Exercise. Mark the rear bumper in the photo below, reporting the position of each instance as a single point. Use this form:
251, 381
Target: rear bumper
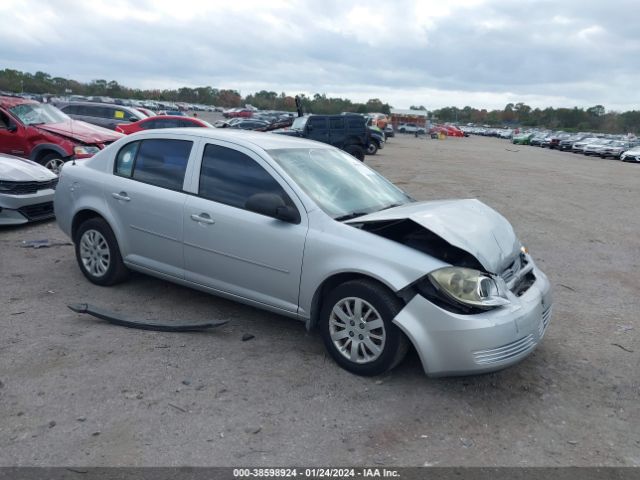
452, 344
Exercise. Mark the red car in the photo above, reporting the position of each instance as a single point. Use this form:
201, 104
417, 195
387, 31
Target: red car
44, 134
161, 121
238, 112
146, 111
448, 130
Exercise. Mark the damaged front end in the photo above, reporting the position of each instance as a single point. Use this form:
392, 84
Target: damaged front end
464, 233
489, 298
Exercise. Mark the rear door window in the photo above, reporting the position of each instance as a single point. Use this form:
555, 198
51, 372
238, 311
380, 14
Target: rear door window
187, 123
166, 123
336, 123
70, 109
317, 122
148, 125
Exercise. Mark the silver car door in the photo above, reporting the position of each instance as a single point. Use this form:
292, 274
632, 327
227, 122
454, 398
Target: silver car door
146, 197
233, 250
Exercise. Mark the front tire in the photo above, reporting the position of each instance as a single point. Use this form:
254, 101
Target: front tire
355, 151
372, 149
98, 254
53, 162
357, 328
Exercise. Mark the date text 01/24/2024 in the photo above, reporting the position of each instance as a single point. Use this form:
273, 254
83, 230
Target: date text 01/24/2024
315, 472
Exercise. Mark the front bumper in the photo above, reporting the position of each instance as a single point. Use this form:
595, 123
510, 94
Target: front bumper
453, 344
19, 209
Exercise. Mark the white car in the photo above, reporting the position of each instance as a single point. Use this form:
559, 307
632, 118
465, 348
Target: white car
306, 230
632, 155
410, 128
26, 191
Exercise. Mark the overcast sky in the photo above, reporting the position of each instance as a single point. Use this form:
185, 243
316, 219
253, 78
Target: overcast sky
559, 53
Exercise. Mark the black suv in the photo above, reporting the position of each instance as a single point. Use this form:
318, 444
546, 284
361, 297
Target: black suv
347, 132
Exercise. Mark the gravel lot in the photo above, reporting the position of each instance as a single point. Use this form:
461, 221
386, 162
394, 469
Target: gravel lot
77, 391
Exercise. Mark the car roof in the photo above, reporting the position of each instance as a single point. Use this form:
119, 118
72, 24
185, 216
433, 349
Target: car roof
9, 102
264, 140
97, 104
174, 117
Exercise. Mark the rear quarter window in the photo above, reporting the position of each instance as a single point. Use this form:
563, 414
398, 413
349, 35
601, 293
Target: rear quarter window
159, 162
125, 158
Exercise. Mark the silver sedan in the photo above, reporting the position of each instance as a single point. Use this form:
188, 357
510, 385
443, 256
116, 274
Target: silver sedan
305, 230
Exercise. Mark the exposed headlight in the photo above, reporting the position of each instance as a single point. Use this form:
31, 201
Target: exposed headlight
470, 287
85, 150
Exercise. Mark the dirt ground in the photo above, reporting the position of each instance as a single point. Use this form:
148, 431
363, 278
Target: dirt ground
77, 391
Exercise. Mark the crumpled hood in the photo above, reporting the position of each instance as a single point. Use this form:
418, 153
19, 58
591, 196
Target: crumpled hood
81, 131
16, 169
466, 224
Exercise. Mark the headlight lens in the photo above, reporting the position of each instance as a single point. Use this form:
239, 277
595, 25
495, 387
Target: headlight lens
470, 287
85, 150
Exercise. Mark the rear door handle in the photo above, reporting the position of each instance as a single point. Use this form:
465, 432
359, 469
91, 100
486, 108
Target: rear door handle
202, 218
121, 196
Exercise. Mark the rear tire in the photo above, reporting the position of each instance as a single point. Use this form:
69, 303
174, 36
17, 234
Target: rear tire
98, 254
367, 342
355, 151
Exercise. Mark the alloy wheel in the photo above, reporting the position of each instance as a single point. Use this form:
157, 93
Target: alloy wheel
95, 253
357, 330
55, 164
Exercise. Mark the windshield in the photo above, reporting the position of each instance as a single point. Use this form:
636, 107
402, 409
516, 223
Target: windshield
38, 113
299, 123
338, 183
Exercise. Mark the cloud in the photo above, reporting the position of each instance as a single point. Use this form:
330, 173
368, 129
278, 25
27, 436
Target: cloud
473, 52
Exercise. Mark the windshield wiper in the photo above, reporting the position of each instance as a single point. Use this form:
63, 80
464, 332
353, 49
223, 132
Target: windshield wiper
349, 216
393, 205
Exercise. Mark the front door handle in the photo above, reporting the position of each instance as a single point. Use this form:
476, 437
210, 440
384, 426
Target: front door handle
202, 218
121, 196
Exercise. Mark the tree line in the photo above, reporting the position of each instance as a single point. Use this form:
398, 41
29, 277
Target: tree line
574, 119
594, 118
41, 82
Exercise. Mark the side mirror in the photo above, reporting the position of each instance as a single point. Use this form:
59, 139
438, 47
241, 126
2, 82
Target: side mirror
309, 127
133, 119
12, 127
272, 205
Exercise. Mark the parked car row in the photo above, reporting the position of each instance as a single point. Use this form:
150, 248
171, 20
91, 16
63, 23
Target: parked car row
623, 147
488, 132
154, 105
49, 136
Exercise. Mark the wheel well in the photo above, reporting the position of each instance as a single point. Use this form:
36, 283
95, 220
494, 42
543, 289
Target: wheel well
81, 217
331, 283
43, 153
353, 140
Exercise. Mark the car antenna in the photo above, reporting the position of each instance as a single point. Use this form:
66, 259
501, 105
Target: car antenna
73, 160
